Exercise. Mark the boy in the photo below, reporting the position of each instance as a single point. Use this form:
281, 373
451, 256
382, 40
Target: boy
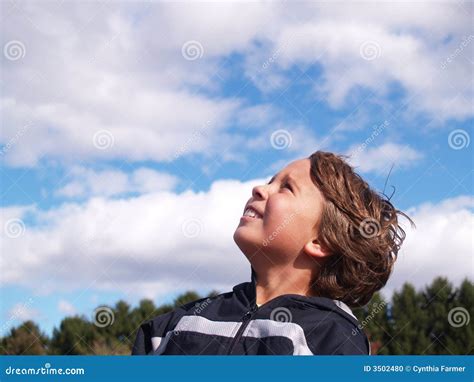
319, 241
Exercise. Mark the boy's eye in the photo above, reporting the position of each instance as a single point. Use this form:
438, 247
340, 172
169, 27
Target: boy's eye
284, 184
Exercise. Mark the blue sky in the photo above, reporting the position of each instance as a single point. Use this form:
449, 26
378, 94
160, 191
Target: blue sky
124, 125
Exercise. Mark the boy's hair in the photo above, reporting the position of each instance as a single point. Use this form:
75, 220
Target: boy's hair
358, 227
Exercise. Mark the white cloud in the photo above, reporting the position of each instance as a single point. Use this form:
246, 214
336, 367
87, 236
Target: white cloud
380, 159
119, 67
441, 245
90, 68
164, 242
88, 182
22, 312
362, 47
66, 308
147, 245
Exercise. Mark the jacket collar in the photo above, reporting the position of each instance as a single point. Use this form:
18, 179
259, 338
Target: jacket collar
247, 294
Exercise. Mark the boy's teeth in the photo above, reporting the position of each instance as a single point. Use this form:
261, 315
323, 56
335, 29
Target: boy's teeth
251, 213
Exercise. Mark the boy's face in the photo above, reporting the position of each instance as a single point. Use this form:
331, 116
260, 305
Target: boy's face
288, 208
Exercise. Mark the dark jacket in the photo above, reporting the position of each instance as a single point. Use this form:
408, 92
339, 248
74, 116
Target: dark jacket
231, 323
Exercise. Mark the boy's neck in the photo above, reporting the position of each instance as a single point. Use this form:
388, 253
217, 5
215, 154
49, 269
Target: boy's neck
273, 282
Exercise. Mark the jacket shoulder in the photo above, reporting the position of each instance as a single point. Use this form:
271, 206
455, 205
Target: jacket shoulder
156, 327
337, 336
151, 332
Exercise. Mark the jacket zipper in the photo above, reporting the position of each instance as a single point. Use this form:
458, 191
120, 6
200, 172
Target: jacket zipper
245, 321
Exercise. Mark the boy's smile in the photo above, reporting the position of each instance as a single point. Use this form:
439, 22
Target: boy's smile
281, 217
251, 212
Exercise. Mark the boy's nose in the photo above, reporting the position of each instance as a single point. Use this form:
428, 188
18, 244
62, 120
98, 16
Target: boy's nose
259, 192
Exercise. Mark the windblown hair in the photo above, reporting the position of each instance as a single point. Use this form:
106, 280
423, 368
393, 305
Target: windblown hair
358, 227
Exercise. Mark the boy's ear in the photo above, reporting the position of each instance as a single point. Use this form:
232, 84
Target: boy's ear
314, 249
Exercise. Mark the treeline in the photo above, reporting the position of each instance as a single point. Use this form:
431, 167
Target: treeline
435, 320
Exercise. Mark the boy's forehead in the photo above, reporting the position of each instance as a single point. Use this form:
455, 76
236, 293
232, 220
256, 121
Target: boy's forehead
299, 169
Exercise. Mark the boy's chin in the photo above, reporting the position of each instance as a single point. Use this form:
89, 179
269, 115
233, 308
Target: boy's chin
247, 244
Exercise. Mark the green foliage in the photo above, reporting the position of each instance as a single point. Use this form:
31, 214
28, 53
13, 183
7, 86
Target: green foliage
186, 298
373, 320
409, 321
463, 338
435, 320
26, 339
75, 336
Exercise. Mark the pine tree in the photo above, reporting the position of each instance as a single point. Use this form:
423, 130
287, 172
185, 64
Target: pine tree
26, 339
438, 301
407, 324
373, 321
460, 331
75, 336
436, 320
